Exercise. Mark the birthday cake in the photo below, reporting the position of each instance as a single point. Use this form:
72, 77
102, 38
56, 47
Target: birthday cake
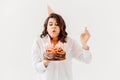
54, 53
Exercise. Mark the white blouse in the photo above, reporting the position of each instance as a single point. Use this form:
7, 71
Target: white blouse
57, 70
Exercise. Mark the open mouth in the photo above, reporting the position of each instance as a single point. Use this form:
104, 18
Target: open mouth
53, 31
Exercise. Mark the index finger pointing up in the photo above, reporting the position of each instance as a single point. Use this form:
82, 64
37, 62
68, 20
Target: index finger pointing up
85, 29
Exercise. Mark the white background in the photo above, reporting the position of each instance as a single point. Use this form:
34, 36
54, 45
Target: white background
22, 20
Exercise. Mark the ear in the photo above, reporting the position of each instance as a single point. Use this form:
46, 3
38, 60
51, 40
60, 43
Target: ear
49, 10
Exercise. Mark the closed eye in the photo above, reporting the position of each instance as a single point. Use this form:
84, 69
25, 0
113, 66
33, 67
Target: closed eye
56, 24
50, 24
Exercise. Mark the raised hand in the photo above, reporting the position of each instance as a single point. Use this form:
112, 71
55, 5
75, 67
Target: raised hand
84, 37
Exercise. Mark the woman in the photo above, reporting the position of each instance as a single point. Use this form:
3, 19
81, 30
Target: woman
55, 33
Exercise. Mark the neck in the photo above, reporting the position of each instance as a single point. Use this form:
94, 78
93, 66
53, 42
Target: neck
54, 41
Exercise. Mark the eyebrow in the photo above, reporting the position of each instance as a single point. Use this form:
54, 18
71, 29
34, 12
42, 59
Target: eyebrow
50, 22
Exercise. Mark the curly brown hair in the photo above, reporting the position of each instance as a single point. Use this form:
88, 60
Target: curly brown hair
61, 23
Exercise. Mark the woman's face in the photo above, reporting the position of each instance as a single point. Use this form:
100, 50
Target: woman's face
53, 28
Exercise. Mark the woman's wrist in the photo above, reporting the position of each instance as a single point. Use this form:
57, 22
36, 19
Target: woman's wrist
85, 47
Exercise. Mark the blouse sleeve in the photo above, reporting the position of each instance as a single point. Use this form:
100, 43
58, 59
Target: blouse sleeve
81, 54
37, 57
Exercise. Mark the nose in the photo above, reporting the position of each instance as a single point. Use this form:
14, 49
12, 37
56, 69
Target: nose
54, 27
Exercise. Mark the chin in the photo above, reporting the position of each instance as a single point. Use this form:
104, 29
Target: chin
53, 36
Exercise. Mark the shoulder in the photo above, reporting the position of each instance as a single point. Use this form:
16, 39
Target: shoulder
40, 40
70, 39
37, 38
